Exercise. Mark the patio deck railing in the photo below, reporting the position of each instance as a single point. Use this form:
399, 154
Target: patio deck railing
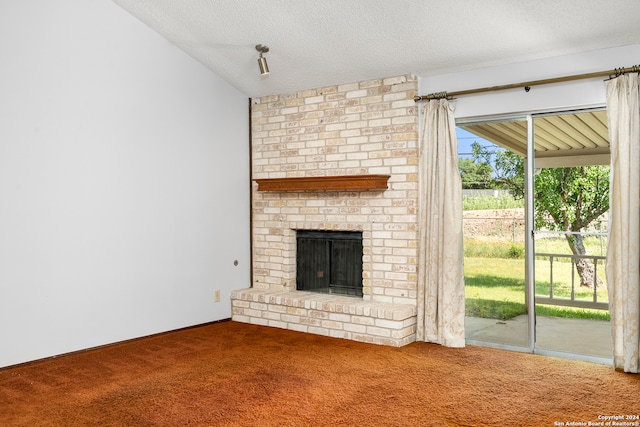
572, 301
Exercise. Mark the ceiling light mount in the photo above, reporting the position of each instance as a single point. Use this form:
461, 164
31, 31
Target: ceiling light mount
262, 61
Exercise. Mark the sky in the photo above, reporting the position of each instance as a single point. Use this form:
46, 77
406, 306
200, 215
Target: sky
465, 139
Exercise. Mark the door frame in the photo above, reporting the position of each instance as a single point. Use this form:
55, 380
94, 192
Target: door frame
529, 278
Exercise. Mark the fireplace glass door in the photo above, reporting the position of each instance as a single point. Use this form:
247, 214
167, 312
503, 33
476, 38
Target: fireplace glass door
329, 262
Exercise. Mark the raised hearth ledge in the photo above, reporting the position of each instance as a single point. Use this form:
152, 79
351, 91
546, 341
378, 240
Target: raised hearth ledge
330, 315
325, 183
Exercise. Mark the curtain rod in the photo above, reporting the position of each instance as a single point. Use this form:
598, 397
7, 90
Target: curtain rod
527, 85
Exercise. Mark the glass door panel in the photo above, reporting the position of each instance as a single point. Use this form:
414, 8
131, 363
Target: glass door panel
491, 165
570, 232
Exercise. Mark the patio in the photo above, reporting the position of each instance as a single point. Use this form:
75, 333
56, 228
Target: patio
577, 336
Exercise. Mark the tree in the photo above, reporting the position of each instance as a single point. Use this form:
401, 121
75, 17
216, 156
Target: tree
507, 166
570, 199
475, 175
566, 199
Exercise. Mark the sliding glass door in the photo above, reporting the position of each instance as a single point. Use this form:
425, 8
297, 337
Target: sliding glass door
491, 158
536, 201
571, 204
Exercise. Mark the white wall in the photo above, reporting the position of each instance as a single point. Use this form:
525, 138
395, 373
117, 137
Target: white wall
544, 98
124, 181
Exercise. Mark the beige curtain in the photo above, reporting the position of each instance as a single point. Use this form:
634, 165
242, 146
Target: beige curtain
440, 269
623, 251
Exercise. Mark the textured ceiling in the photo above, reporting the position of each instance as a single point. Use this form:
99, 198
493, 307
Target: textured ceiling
316, 43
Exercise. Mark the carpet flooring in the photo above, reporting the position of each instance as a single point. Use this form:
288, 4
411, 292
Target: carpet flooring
234, 374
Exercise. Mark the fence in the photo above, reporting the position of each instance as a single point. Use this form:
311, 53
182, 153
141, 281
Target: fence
572, 301
512, 229
495, 228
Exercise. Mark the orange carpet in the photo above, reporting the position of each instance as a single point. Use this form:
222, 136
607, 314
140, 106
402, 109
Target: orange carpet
234, 374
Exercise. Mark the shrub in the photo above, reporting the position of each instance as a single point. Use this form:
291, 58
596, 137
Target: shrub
515, 251
484, 249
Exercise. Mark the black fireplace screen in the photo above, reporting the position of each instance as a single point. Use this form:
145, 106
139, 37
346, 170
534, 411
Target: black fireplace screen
329, 262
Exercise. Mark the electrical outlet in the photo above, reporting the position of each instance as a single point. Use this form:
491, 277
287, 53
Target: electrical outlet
216, 295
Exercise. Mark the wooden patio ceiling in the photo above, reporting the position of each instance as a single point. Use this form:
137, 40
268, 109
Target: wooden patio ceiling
574, 139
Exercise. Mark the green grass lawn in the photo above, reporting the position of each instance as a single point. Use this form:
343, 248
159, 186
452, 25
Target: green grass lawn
595, 245
488, 248
504, 201
494, 271
494, 288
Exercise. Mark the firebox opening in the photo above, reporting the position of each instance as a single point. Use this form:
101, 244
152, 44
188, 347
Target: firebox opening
329, 262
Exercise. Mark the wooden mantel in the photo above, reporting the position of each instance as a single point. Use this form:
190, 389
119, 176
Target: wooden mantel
325, 183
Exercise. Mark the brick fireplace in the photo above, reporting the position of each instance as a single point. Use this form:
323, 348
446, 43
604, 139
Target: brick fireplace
318, 158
